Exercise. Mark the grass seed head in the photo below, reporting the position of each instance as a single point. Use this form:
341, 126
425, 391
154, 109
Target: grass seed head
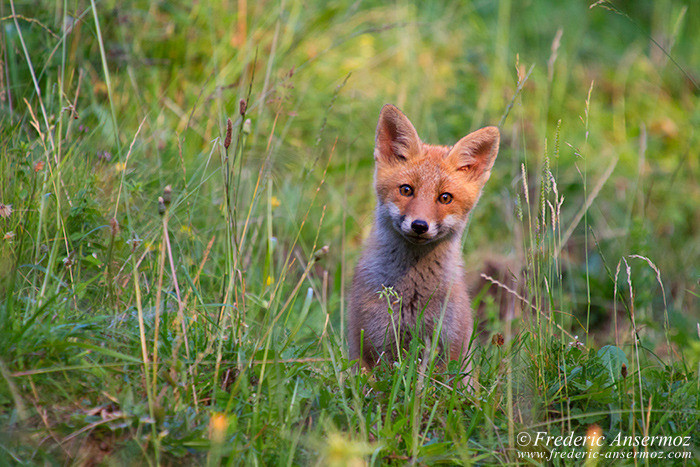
321, 252
229, 132
5, 210
167, 195
242, 106
498, 340
114, 226
161, 205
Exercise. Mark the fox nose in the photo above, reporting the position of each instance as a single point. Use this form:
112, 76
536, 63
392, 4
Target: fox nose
420, 227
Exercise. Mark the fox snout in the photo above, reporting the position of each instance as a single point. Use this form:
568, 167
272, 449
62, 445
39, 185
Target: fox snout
419, 226
417, 229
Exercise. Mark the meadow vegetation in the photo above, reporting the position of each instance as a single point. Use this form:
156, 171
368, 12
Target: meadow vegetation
185, 188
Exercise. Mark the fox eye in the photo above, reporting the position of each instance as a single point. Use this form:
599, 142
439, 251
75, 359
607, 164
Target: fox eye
406, 190
445, 198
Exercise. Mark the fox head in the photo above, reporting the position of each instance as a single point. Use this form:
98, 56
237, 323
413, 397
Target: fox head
426, 192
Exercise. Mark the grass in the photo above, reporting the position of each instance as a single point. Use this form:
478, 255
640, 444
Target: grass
186, 187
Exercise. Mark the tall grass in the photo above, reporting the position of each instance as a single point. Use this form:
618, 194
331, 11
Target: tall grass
186, 188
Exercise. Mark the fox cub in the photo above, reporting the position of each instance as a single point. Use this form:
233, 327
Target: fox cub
424, 196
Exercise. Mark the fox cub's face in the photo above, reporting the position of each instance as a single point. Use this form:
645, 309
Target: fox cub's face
426, 191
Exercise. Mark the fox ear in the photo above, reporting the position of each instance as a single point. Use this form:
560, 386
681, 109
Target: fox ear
475, 153
396, 138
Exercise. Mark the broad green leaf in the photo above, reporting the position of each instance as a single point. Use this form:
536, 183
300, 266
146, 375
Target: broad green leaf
612, 359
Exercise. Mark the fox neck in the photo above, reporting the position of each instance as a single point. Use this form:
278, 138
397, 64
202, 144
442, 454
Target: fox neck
441, 257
